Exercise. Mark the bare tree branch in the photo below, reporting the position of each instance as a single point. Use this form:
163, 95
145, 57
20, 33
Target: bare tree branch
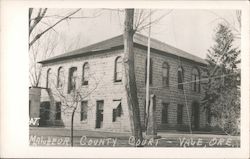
49, 28
37, 19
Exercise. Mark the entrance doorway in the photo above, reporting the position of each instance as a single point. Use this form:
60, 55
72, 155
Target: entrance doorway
99, 114
195, 116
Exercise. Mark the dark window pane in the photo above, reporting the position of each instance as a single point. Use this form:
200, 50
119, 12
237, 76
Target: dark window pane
118, 69
72, 79
180, 78
58, 111
45, 110
179, 113
85, 74
164, 115
84, 110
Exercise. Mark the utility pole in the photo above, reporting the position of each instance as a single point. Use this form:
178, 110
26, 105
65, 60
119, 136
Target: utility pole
130, 81
148, 71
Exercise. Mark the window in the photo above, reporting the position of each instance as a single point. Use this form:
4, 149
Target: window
180, 78
150, 71
208, 114
85, 74
99, 113
117, 109
84, 110
45, 110
165, 74
60, 77
164, 113
179, 113
72, 79
48, 81
58, 110
195, 80
118, 69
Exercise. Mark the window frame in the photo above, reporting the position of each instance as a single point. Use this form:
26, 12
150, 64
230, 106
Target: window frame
116, 70
71, 74
84, 68
84, 112
195, 78
48, 78
59, 80
180, 76
165, 106
165, 79
58, 115
180, 113
117, 112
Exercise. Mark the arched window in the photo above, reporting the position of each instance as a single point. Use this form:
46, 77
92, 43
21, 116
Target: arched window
180, 78
150, 71
72, 79
85, 74
118, 69
165, 74
48, 80
60, 77
195, 80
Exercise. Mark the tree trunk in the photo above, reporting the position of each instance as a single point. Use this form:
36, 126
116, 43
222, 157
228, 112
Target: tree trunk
72, 127
130, 82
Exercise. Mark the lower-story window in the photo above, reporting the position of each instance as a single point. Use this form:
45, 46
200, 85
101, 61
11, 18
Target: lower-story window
45, 110
164, 113
117, 110
179, 113
58, 110
84, 110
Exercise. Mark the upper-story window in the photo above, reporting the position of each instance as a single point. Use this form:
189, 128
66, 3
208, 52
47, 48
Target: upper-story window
150, 71
118, 69
180, 78
85, 74
165, 74
60, 77
48, 80
72, 79
195, 80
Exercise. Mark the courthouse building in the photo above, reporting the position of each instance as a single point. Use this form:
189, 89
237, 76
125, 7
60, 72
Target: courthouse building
92, 78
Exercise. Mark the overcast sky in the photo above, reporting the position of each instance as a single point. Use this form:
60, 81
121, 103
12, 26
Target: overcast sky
189, 30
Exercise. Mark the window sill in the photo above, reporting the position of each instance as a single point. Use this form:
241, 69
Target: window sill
118, 83
83, 121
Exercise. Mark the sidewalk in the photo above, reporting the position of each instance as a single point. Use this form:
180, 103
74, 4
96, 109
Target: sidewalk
58, 131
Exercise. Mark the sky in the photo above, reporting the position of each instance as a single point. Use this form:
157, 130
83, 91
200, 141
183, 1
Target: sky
189, 30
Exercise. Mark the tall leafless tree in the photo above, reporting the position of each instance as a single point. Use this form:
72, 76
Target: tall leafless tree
130, 82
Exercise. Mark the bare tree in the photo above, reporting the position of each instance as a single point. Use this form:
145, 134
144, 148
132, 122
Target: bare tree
43, 36
70, 95
130, 82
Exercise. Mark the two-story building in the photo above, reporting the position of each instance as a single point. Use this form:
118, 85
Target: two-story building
92, 80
